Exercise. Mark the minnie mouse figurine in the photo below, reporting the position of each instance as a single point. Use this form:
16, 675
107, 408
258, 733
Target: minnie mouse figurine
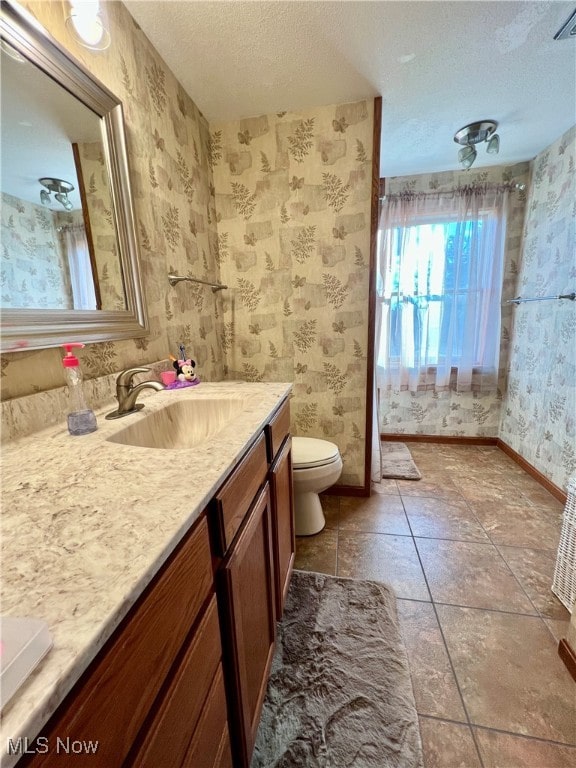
185, 370
185, 375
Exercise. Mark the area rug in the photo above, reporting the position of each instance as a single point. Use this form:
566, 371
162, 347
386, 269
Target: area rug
339, 694
397, 462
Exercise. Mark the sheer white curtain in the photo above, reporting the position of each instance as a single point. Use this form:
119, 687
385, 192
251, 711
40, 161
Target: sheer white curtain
439, 288
75, 247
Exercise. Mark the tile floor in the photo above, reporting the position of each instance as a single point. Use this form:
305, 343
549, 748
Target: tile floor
469, 551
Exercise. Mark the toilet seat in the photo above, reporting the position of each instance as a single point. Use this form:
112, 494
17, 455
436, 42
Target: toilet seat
308, 452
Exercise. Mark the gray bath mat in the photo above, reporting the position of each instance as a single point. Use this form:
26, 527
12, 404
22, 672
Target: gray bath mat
397, 462
339, 694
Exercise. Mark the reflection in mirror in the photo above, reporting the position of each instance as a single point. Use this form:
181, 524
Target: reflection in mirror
51, 143
69, 254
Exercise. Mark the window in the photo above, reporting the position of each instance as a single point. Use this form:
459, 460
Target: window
440, 281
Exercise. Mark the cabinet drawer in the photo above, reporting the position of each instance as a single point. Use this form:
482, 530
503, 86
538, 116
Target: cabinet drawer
205, 747
278, 429
170, 732
235, 497
110, 703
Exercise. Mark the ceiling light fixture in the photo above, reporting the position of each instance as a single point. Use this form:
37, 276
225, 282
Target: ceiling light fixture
86, 24
60, 188
475, 133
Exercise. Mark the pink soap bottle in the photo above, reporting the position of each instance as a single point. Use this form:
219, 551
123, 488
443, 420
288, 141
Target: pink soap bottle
81, 419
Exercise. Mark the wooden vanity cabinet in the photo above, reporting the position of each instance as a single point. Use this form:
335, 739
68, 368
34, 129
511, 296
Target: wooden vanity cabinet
131, 685
182, 681
254, 574
246, 590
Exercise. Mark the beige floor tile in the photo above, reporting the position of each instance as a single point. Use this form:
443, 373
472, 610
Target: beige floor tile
519, 525
440, 487
435, 689
442, 519
378, 514
431, 463
534, 569
386, 487
382, 557
510, 674
427, 461
448, 745
539, 496
503, 750
471, 574
489, 491
524, 481
317, 553
330, 507
558, 628
507, 665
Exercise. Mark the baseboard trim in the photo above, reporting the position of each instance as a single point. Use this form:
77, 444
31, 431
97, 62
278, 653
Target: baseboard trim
568, 656
347, 490
551, 487
445, 439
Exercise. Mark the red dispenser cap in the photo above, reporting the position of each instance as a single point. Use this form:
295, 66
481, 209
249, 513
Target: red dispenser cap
70, 361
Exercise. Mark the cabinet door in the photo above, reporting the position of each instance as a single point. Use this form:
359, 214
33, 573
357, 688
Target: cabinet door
282, 523
182, 705
210, 743
248, 608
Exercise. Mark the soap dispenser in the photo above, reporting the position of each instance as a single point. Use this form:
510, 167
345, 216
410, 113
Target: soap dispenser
81, 419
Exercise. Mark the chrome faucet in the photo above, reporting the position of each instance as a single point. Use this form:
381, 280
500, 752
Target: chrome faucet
126, 392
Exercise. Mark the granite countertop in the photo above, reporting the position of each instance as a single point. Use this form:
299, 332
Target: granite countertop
87, 523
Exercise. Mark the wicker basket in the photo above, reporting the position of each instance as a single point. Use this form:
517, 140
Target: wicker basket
564, 584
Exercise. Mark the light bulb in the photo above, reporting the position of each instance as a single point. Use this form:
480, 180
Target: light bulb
86, 24
44, 197
493, 145
466, 156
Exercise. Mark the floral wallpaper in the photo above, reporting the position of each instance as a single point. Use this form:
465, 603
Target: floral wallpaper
277, 207
470, 414
34, 272
168, 148
99, 205
293, 199
539, 408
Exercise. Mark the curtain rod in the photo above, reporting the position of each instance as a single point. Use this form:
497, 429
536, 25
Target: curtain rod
520, 300
62, 227
456, 189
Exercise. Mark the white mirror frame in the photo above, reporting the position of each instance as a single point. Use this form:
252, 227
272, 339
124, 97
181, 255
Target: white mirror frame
24, 329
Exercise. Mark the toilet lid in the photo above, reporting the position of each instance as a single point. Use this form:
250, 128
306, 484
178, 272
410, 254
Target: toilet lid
310, 452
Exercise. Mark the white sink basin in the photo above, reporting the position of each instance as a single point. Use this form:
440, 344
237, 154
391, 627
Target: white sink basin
181, 424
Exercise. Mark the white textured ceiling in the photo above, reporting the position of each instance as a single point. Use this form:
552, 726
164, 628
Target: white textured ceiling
438, 65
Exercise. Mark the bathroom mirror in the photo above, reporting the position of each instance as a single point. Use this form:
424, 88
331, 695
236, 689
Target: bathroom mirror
70, 267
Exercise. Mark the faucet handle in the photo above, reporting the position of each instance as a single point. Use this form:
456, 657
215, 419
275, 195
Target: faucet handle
125, 377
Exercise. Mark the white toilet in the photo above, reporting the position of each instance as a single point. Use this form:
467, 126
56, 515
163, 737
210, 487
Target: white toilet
316, 465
